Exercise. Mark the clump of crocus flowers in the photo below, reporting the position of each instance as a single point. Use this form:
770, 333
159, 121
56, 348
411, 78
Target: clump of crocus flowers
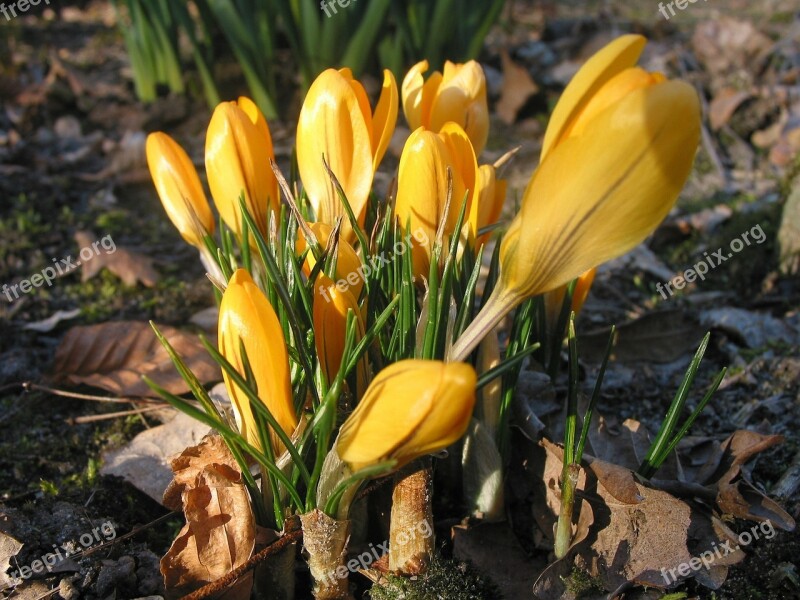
348, 346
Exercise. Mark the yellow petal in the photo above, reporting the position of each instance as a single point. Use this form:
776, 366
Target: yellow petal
620, 54
422, 192
411, 408
599, 194
462, 161
179, 188
332, 124
411, 90
245, 314
613, 91
348, 263
385, 118
331, 305
581, 291
237, 160
491, 196
461, 97
361, 96
450, 414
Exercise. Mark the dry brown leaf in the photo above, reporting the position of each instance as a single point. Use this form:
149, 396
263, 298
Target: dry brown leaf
724, 105
634, 529
660, 337
145, 460
517, 88
9, 547
726, 43
131, 267
114, 356
220, 529
636, 540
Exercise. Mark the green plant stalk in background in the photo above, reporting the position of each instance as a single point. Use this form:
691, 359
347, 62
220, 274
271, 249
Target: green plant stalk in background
361, 36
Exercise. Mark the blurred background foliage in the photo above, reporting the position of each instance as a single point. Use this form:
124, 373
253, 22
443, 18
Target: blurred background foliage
270, 38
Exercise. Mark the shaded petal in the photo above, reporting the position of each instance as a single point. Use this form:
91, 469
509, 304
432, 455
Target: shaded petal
411, 90
461, 97
385, 118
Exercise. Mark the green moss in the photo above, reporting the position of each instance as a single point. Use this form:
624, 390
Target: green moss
580, 583
445, 578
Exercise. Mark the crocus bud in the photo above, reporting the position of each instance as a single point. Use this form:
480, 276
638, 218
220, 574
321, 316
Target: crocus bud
458, 95
246, 315
179, 188
422, 187
238, 151
331, 305
336, 122
348, 264
619, 154
411, 408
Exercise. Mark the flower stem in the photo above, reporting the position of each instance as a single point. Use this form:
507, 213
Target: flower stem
564, 527
499, 304
411, 527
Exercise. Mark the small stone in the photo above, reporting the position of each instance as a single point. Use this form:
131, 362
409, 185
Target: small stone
67, 590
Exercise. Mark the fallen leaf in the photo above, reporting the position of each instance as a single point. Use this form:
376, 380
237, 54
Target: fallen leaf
660, 337
517, 88
145, 460
131, 267
114, 356
220, 529
724, 105
53, 320
9, 547
725, 43
752, 329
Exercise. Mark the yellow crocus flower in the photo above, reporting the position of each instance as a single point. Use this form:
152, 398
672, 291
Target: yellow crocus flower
458, 95
238, 151
336, 122
422, 187
245, 314
331, 305
179, 188
617, 158
348, 263
411, 408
